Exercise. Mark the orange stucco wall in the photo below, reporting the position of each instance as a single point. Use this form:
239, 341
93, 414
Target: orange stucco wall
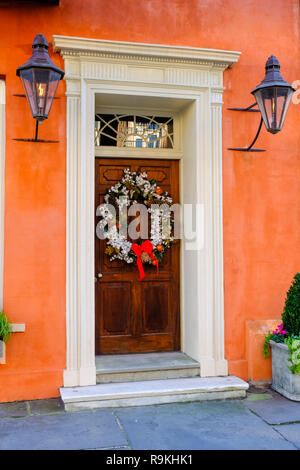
261, 190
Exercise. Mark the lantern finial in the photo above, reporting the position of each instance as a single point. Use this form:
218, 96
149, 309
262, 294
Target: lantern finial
40, 40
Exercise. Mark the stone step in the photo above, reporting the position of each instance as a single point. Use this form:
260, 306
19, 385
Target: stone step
152, 392
145, 366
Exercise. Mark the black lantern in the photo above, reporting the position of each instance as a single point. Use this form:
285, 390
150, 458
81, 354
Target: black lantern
40, 78
273, 96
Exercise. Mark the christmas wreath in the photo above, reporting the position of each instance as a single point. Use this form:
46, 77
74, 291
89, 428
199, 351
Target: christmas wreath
135, 188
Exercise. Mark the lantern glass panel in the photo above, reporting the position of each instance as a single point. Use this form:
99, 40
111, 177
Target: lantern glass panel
273, 103
40, 87
27, 78
41, 82
285, 100
52, 87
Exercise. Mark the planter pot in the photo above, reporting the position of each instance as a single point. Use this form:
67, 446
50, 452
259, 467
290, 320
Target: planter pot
2, 352
283, 381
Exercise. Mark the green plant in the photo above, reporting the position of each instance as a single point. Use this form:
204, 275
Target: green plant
5, 328
291, 312
289, 330
293, 343
277, 335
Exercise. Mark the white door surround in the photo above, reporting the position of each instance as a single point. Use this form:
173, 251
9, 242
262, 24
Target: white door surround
194, 76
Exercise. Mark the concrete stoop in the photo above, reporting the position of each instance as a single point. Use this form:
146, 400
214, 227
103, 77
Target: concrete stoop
152, 392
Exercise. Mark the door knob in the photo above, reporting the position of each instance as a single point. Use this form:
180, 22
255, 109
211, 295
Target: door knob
100, 275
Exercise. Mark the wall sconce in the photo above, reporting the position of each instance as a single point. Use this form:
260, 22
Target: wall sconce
273, 97
40, 78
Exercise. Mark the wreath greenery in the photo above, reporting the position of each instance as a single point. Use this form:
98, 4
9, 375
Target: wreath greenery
135, 188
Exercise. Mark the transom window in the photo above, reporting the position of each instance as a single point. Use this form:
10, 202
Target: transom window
124, 130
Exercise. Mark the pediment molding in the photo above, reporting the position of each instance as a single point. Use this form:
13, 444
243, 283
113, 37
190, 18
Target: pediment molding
96, 59
140, 52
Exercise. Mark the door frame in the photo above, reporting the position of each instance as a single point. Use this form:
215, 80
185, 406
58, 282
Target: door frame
194, 76
174, 319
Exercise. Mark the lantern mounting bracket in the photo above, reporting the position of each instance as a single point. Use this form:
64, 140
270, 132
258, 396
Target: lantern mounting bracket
246, 109
249, 149
24, 96
36, 137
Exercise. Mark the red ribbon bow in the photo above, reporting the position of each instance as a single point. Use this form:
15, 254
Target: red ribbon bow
146, 247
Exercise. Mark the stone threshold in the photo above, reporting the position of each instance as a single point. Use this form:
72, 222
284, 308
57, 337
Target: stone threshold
152, 392
145, 366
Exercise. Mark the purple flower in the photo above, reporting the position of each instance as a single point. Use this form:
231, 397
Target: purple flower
279, 330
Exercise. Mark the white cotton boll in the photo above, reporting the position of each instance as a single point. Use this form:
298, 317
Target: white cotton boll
126, 248
139, 180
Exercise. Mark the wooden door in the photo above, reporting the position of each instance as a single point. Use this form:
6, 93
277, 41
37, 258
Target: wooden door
131, 315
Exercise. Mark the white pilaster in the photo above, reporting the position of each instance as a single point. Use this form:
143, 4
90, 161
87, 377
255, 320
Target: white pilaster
221, 367
80, 312
86, 235
71, 374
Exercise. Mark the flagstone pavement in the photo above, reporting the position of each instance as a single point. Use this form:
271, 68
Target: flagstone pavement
263, 421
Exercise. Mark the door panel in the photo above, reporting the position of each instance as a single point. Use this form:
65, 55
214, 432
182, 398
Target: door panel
156, 307
132, 315
116, 319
